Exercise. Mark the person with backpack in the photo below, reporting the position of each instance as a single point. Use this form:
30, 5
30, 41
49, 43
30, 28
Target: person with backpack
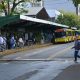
12, 42
4, 42
77, 48
1, 43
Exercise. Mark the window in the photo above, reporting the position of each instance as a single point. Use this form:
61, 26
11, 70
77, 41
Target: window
60, 34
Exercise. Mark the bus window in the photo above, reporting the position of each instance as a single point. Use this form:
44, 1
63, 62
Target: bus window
69, 33
60, 34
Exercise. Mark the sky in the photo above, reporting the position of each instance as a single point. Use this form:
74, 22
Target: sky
65, 5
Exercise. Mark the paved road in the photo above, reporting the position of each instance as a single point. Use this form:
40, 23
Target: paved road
70, 73
48, 53
38, 64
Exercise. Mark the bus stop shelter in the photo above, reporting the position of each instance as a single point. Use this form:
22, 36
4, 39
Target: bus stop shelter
21, 24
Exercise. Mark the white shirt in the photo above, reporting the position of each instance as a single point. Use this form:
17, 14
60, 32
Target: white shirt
1, 40
21, 40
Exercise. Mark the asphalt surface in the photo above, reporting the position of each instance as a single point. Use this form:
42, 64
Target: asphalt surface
32, 70
70, 73
39, 64
60, 51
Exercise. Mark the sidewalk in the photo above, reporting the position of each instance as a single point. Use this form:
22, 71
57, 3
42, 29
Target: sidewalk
70, 73
12, 51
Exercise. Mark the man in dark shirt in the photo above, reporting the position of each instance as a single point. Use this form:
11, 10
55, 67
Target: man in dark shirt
77, 48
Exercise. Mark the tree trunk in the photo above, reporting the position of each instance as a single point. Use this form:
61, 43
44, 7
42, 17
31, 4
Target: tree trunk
77, 10
14, 6
5, 12
4, 8
8, 7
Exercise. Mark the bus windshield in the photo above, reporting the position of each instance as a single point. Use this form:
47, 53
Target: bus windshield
60, 34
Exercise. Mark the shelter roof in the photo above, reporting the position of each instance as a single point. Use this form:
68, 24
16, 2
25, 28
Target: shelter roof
4, 20
16, 18
42, 21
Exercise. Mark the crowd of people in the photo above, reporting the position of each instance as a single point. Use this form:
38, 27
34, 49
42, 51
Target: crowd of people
11, 42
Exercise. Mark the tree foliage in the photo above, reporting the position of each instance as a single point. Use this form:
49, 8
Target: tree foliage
76, 2
70, 19
5, 5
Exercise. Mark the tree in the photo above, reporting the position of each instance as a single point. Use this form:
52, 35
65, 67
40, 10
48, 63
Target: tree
5, 5
76, 2
69, 19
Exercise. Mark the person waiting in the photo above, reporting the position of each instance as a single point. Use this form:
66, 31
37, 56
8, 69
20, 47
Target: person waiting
20, 42
12, 42
1, 43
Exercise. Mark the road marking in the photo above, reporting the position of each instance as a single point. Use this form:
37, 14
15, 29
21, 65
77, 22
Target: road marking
58, 53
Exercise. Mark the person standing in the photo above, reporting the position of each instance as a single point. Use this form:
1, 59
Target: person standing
1, 43
12, 42
77, 48
4, 42
20, 42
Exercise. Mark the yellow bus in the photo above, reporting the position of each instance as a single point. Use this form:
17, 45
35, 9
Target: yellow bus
64, 35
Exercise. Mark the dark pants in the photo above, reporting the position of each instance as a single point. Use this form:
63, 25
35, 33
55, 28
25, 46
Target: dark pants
76, 55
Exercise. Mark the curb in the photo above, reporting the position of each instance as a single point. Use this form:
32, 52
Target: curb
13, 51
25, 60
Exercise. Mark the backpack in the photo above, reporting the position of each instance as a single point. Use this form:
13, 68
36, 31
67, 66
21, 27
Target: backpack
12, 41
